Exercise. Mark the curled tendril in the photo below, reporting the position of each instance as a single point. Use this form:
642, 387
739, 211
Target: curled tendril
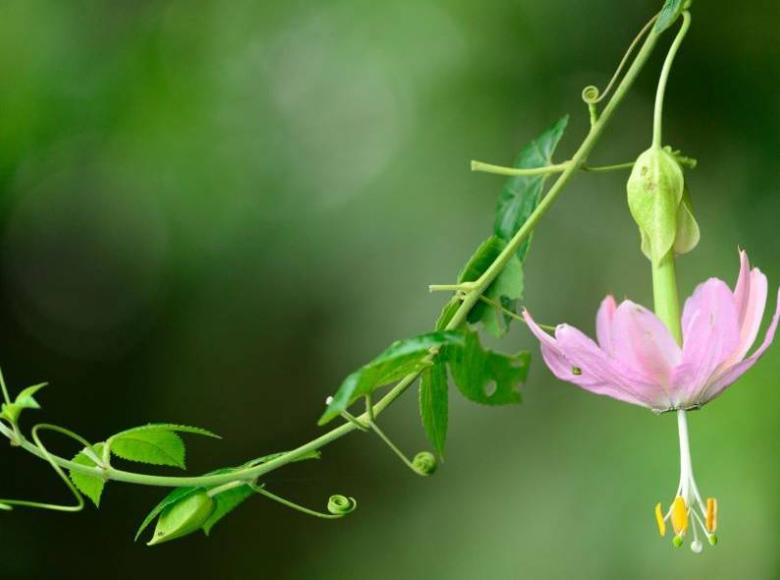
425, 463
6, 504
591, 94
338, 505
341, 505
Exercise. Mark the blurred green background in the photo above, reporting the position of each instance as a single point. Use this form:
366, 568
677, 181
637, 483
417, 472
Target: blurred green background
211, 212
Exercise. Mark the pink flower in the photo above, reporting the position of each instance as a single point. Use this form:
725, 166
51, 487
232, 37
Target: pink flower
638, 361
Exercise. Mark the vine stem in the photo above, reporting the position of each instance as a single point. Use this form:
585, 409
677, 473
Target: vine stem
663, 80
250, 474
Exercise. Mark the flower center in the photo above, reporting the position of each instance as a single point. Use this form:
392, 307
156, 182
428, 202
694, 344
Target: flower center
688, 513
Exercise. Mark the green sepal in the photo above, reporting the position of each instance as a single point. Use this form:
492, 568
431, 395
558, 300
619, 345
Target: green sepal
655, 191
476, 371
688, 233
669, 14
90, 485
225, 503
402, 358
183, 516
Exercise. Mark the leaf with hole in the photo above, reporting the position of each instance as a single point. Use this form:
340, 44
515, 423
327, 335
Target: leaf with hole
402, 358
487, 377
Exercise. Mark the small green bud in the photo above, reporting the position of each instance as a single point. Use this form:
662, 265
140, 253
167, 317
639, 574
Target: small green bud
677, 541
183, 517
655, 193
713, 539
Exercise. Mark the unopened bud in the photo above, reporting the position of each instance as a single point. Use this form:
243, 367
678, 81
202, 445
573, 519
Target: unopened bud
183, 517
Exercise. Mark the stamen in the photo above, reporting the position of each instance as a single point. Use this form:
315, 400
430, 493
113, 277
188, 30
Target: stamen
659, 517
712, 515
679, 516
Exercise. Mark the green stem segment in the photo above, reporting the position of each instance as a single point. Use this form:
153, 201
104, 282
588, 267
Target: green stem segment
665, 295
250, 474
662, 81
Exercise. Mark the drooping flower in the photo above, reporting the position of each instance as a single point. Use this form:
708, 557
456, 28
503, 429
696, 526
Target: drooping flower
637, 360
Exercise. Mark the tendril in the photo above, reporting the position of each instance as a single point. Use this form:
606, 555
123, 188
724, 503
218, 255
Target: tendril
591, 94
338, 505
6, 504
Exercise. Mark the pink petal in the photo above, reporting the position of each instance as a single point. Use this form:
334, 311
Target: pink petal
710, 336
604, 322
731, 374
643, 343
750, 295
575, 358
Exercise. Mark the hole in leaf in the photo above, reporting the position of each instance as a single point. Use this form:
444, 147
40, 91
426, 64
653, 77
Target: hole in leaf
491, 388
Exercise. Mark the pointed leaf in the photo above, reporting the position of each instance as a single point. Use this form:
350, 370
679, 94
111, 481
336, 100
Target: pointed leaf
402, 358
25, 398
174, 496
90, 485
521, 194
153, 446
434, 404
226, 502
170, 427
487, 377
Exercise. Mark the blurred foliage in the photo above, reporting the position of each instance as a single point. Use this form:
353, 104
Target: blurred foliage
211, 212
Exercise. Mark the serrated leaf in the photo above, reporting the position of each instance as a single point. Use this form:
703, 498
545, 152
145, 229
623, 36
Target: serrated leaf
506, 289
174, 496
669, 13
402, 358
90, 485
521, 194
170, 427
434, 404
226, 502
152, 446
487, 377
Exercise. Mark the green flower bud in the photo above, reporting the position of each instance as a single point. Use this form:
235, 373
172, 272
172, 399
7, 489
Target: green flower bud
655, 193
183, 517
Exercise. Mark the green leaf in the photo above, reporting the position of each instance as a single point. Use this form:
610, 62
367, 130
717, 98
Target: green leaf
182, 517
447, 313
669, 13
402, 358
155, 443
226, 502
174, 496
505, 289
90, 485
487, 377
521, 194
24, 400
434, 404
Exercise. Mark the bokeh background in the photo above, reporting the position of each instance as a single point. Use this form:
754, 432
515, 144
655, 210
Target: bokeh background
211, 212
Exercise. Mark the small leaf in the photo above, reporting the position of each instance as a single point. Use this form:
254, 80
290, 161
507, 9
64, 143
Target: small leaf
182, 517
25, 398
669, 13
90, 485
174, 496
505, 289
153, 446
434, 404
487, 377
171, 427
521, 194
226, 502
402, 358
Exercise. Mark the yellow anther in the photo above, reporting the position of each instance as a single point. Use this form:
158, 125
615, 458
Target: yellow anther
659, 517
679, 516
712, 515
